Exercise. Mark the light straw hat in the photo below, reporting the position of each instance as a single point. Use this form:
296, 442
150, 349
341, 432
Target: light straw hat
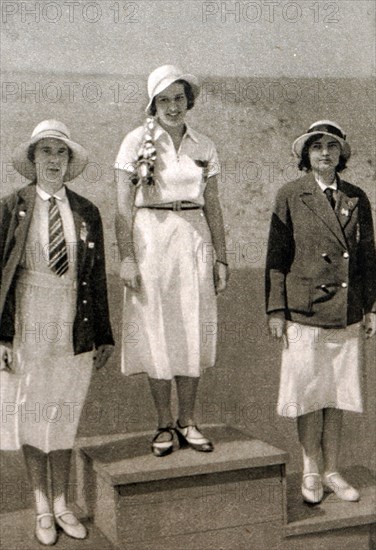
327, 128
165, 75
50, 129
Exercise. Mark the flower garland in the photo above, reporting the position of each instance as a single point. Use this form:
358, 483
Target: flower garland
147, 154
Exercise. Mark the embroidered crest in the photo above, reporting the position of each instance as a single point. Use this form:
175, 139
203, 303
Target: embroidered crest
204, 164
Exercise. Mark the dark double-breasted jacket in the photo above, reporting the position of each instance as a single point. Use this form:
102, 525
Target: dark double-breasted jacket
91, 326
321, 263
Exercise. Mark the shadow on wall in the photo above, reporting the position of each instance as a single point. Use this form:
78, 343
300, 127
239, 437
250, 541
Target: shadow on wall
242, 389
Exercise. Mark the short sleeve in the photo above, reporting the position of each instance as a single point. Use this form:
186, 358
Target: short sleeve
213, 161
128, 152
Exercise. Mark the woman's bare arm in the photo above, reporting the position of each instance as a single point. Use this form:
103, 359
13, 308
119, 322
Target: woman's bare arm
213, 213
126, 191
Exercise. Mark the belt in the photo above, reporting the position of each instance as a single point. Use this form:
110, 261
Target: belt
175, 206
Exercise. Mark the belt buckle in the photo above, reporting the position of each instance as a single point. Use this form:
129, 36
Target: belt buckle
176, 206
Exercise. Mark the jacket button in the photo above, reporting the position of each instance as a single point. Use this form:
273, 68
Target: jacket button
84, 283
344, 285
84, 301
346, 255
86, 319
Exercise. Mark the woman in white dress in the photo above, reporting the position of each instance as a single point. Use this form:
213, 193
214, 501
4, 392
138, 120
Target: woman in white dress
54, 320
171, 240
321, 300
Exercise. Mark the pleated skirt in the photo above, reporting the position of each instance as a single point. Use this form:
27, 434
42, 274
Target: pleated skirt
170, 325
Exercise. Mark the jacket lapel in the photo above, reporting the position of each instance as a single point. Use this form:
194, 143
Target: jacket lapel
345, 206
16, 238
21, 220
315, 200
81, 227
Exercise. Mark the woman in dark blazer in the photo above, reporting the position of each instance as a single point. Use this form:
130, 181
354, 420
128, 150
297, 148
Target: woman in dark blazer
320, 296
54, 319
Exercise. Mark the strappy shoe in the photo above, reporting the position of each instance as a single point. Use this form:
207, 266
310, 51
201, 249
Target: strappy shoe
313, 492
45, 535
334, 483
163, 448
190, 436
75, 530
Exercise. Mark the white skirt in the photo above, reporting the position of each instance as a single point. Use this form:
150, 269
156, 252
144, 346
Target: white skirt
170, 325
42, 398
321, 368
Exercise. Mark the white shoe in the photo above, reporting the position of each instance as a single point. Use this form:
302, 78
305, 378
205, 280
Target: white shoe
312, 489
190, 436
70, 525
334, 483
45, 531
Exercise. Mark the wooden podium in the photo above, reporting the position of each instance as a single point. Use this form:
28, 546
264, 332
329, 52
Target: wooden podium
235, 498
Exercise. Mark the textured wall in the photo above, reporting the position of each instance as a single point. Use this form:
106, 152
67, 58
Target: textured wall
253, 122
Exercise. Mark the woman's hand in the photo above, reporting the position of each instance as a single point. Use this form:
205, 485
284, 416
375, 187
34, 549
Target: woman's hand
101, 355
277, 326
221, 276
6, 356
370, 324
130, 274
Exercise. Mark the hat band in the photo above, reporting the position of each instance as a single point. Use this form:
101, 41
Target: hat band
51, 133
327, 128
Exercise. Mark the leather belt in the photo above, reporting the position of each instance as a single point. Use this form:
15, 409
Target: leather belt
176, 206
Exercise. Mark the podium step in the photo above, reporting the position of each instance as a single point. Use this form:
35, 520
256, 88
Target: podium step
187, 499
236, 498
332, 513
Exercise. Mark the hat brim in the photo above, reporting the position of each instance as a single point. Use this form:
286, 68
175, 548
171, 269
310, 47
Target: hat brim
166, 82
28, 169
299, 143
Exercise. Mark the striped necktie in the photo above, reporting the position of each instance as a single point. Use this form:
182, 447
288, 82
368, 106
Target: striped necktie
57, 248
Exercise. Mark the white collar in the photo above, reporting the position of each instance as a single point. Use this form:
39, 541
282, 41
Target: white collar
324, 186
59, 195
189, 132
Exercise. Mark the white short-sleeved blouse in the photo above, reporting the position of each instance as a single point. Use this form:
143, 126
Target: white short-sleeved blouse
178, 175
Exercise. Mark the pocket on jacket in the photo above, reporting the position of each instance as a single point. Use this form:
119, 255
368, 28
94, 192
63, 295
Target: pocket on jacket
298, 292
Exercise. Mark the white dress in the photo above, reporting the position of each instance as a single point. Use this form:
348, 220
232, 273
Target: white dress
169, 326
42, 398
